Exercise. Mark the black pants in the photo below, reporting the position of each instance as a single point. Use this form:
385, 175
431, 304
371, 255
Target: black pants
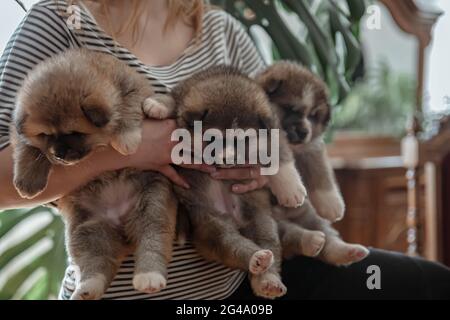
401, 277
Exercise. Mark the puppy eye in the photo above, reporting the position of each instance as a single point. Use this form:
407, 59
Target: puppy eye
42, 135
314, 116
190, 124
191, 117
76, 133
289, 107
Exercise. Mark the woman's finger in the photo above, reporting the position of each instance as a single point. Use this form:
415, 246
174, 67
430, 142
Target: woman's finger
173, 175
237, 173
252, 185
243, 188
200, 167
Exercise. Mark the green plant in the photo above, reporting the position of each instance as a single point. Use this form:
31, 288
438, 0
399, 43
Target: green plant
379, 104
323, 35
32, 255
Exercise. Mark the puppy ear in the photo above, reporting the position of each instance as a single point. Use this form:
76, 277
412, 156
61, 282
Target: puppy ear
19, 122
31, 170
327, 115
272, 85
99, 116
267, 122
321, 114
190, 116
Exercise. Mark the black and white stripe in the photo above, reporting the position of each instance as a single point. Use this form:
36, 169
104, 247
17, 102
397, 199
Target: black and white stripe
190, 277
44, 33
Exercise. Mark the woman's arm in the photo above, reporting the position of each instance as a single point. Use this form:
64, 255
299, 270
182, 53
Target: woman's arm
154, 153
43, 34
62, 180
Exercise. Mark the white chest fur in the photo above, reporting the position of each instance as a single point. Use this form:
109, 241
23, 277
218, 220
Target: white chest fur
224, 201
114, 202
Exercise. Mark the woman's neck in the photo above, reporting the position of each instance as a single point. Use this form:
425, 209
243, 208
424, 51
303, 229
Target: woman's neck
119, 11
154, 45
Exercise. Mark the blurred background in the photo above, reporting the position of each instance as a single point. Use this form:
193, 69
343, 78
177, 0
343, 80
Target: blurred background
388, 69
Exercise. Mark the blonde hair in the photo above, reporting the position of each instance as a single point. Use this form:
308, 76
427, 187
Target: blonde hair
191, 11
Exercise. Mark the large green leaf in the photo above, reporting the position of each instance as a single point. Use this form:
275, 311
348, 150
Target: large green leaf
27, 270
323, 21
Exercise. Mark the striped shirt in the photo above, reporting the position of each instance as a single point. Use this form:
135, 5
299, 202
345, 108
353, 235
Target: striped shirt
44, 33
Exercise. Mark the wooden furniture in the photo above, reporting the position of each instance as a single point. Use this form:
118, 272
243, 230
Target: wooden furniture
444, 206
376, 200
419, 23
372, 179
397, 198
368, 181
434, 160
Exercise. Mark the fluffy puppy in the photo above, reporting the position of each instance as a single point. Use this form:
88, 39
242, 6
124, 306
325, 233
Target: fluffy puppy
68, 107
236, 230
301, 102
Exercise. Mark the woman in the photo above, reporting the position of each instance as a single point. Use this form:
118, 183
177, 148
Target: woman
167, 41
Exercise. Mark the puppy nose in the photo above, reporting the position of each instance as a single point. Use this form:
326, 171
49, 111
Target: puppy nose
297, 135
60, 153
302, 134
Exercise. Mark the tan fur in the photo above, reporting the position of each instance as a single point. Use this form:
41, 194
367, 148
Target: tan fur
69, 106
223, 98
301, 102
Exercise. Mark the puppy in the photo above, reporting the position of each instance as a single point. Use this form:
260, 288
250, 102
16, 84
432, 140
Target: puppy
301, 103
68, 107
236, 230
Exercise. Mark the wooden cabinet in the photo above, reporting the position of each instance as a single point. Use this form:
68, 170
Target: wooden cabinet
373, 182
372, 179
376, 201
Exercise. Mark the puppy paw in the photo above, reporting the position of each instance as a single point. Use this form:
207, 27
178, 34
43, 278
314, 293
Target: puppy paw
294, 197
29, 188
90, 289
357, 253
287, 186
127, 142
344, 254
292, 194
328, 204
155, 109
261, 261
312, 243
268, 285
150, 282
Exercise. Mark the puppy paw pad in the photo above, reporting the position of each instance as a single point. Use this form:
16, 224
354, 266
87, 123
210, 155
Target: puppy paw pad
90, 289
293, 197
273, 289
150, 282
357, 253
269, 286
346, 254
261, 261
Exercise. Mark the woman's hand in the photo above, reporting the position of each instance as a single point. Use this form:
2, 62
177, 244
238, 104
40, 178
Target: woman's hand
253, 174
154, 152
